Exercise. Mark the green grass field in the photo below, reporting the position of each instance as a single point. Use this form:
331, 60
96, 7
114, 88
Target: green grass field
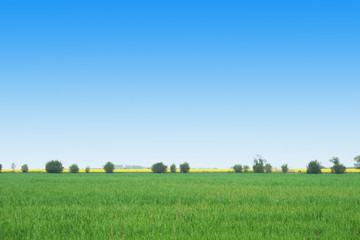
179, 206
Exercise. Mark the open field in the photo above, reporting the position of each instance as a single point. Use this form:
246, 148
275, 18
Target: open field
179, 206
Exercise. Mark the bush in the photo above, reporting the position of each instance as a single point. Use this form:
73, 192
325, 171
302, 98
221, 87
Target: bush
87, 169
258, 166
337, 168
109, 167
25, 168
159, 167
74, 168
314, 167
284, 168
268, 168
184, 168
54, 166
238, 168
173, 168
246, 168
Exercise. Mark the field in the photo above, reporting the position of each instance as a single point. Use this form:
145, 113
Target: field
179, 206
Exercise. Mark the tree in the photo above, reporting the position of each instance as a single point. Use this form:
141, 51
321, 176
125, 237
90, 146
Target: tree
259, 162
337, 168
54, 166
284, 168
184, 168
268, 168
109, 167
24, 168
357, 162
246, 168
13, 167
74, 168
238, 168
87, 169
159, 167
0, 168
314, 167
335, 160
173, 168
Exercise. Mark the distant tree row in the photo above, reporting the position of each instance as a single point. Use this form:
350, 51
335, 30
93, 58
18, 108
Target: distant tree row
24, 167
313, 167
55, 166
162, 168
260, 165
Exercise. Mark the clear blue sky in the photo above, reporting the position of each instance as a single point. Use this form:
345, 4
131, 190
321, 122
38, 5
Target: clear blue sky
213, 83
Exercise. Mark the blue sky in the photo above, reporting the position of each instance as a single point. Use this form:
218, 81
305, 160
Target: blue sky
213, 83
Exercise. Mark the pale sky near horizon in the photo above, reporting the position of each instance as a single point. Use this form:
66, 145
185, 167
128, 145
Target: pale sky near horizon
212, 83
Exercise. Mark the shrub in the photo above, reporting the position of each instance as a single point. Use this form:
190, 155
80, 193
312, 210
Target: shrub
268, 168
87, 169
314, 167
54, 166
184, 168
109, 167
238, 168
173, 168
284, 168
337, 168
0, 168
246, 168
24, 168
357, 162
74, 168
258, 166
159, 167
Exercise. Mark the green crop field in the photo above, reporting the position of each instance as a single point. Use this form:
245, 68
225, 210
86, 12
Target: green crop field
179, 206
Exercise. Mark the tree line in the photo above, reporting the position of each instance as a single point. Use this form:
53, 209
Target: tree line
260, 165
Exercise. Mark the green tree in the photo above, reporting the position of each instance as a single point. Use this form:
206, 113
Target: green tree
159, 168
184, 168
259, 162
54, 166
246, 168
357, 162
314, 167
74, 168
173, 168
25, 168
0, 168
87, 169
284, 168
268, 168
238, 168
338, 168
109, 167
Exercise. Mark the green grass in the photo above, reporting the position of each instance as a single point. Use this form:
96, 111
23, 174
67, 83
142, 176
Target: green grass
179, 206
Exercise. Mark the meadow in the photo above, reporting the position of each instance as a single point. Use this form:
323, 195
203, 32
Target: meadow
179, 206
